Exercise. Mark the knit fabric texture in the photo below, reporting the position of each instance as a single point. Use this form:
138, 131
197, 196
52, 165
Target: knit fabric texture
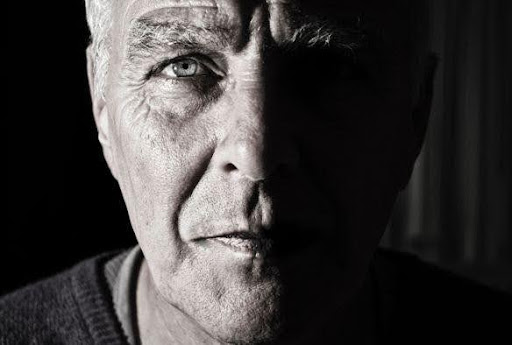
74, 307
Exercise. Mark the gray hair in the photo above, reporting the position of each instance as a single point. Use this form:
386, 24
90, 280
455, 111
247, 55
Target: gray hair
99, 20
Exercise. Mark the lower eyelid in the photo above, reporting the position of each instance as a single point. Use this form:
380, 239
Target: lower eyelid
200, 84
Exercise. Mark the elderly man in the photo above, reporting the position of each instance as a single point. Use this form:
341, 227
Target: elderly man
259, 147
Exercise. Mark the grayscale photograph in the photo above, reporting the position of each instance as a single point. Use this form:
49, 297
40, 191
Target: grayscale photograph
264, 172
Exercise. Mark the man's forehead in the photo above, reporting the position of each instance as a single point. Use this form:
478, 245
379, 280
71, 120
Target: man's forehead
285, 17
213, 24
127, 11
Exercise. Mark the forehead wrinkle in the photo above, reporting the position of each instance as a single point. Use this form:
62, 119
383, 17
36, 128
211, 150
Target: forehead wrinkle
137, 8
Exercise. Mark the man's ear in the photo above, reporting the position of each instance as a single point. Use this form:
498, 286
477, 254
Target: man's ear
423, 104
100, 112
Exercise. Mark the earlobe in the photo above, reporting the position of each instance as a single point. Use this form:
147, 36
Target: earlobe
100, 112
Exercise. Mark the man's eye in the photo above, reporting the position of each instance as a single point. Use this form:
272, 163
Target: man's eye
184, 68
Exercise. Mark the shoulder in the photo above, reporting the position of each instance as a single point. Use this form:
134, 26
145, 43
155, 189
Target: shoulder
58, 309
422, 281
432, 302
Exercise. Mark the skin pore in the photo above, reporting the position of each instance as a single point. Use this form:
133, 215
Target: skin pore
259, 148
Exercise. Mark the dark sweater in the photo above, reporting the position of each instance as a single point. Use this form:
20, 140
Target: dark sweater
418, 304
74, 307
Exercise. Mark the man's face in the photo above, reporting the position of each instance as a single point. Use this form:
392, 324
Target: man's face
259, 148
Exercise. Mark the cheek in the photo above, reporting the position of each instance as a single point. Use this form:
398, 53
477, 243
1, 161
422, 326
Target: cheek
359, 164
159, 151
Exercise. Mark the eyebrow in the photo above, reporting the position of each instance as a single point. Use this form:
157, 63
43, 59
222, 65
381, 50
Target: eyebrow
148, 37
323, 34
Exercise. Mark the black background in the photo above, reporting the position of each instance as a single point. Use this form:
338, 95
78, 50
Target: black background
63, 204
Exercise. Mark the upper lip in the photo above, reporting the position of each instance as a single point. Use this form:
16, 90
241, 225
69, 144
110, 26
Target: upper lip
243, 234
278, 234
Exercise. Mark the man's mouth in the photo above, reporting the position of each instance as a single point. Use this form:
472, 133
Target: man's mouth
276, 242
244, 242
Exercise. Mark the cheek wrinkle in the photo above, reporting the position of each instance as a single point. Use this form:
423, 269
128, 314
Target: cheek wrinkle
187, 192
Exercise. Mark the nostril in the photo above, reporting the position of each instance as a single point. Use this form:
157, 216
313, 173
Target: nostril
230, 167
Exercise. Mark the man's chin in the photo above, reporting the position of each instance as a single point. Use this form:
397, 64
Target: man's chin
251, 315
259, 331
240, 298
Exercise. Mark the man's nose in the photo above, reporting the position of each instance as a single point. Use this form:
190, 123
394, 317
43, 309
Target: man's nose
257, 145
